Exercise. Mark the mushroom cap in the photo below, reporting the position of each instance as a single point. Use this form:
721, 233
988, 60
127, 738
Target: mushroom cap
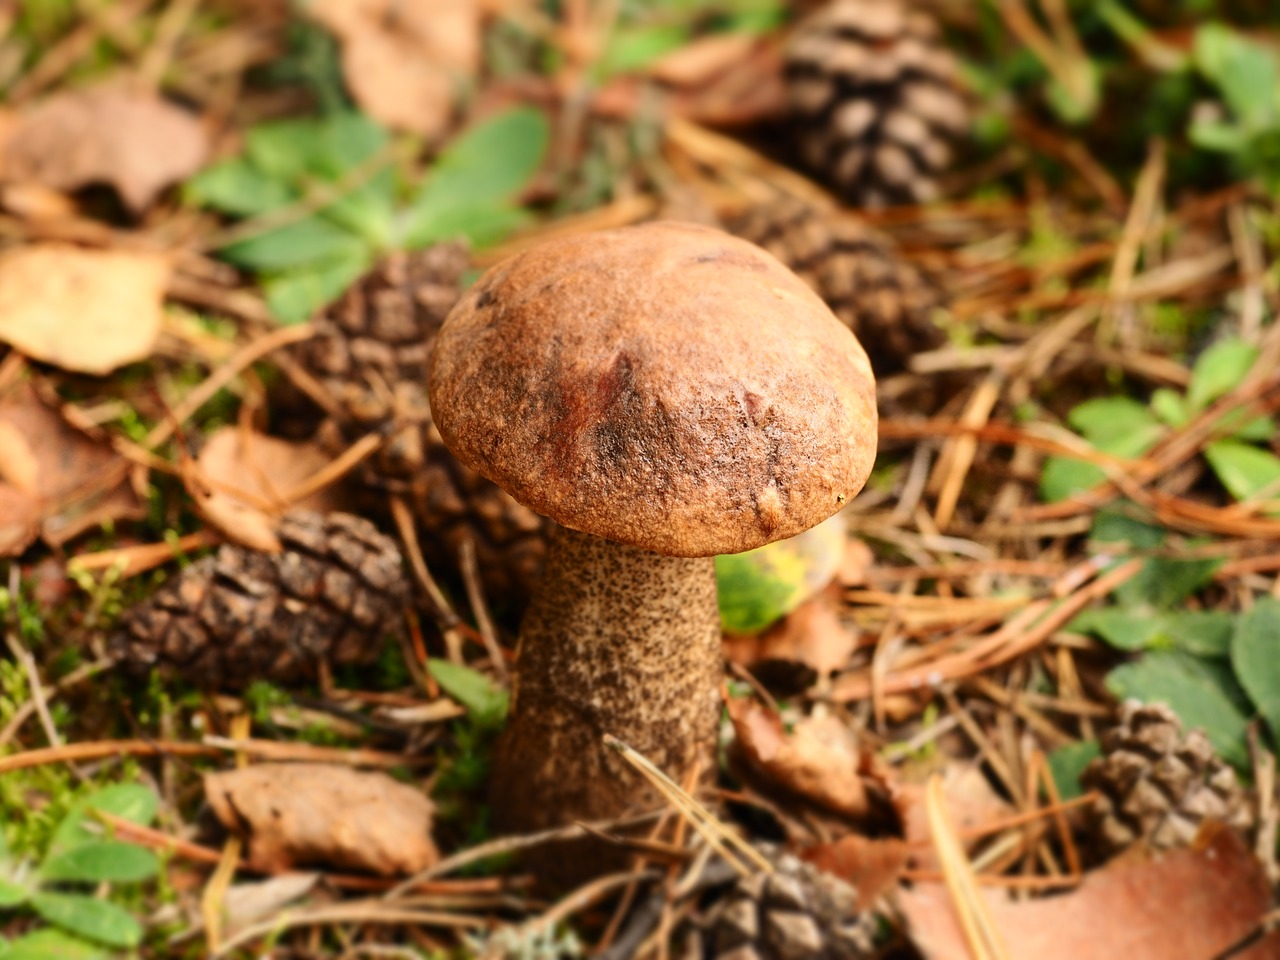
666, 386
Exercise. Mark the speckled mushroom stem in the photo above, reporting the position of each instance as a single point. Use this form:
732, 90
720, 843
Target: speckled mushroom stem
617, 640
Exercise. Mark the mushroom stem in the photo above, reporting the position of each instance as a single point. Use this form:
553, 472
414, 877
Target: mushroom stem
617, 640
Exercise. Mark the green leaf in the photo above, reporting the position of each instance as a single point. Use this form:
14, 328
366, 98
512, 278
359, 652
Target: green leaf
1063, 477
1218, 371
52, 945
1108, 422
1247, 472
12, 893
1244, 71
1206, 633
1203, 693
295, 296
1218, 136
128, 801
1115, 425
761, 586
1165, 582
1170, 407
101, 861
89, 917
1066, 764
284, 149
479, 226
298, 244
1255, 655
1122, 629
1119, 525
634, 48
485, 700
1257, 429
239, 188
482, 170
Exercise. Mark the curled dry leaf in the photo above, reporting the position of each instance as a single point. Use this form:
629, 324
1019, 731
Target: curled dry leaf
84, 310
298, 813
811, 634
404, 60
134, 141
243, 480
1186, 903
818, 759
55, 482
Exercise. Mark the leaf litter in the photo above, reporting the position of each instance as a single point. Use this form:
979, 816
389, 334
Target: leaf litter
1005, 578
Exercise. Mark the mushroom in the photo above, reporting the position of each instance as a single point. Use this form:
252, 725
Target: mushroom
664, 393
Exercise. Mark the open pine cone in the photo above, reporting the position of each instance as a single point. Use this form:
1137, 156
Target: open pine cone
369, 355
796, 913
331, 598
886, 300
1159, 785
876, 100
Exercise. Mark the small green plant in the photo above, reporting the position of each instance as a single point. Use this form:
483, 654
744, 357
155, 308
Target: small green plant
1215, 669
331, 199
1124, 427
1246, 74
78, 855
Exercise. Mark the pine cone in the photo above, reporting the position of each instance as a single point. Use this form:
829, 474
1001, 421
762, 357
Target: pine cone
370, 356
333, 596
876, 100
886, 301
1158, 785
796, 913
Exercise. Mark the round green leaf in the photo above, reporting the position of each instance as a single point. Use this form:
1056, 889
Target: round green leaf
761, 586
96, 919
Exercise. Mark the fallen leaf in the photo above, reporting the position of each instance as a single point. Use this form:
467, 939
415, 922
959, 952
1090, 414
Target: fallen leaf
811, 634
84, 310
242, 481
871, 865
55, 482
701, 61
248, 903
971, 802
297, 813
405, 60
134, 141
1182, 904
818, 759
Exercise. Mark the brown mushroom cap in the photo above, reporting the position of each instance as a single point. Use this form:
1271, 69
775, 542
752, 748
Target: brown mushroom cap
666, 386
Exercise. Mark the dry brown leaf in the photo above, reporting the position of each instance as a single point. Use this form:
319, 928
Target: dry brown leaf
1183, 905
134, 141
242, 482
299, 813
811, 634
819, 759
84, 310
55, 482
971, 801
871, 865
405, 60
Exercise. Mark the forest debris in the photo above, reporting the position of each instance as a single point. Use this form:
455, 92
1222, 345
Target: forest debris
819, 759
1185, 903
248, 903
404, 60
55, 481
84, 310
292, 813
871, 865
132, 140
811, 634
972, 804
243, 480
